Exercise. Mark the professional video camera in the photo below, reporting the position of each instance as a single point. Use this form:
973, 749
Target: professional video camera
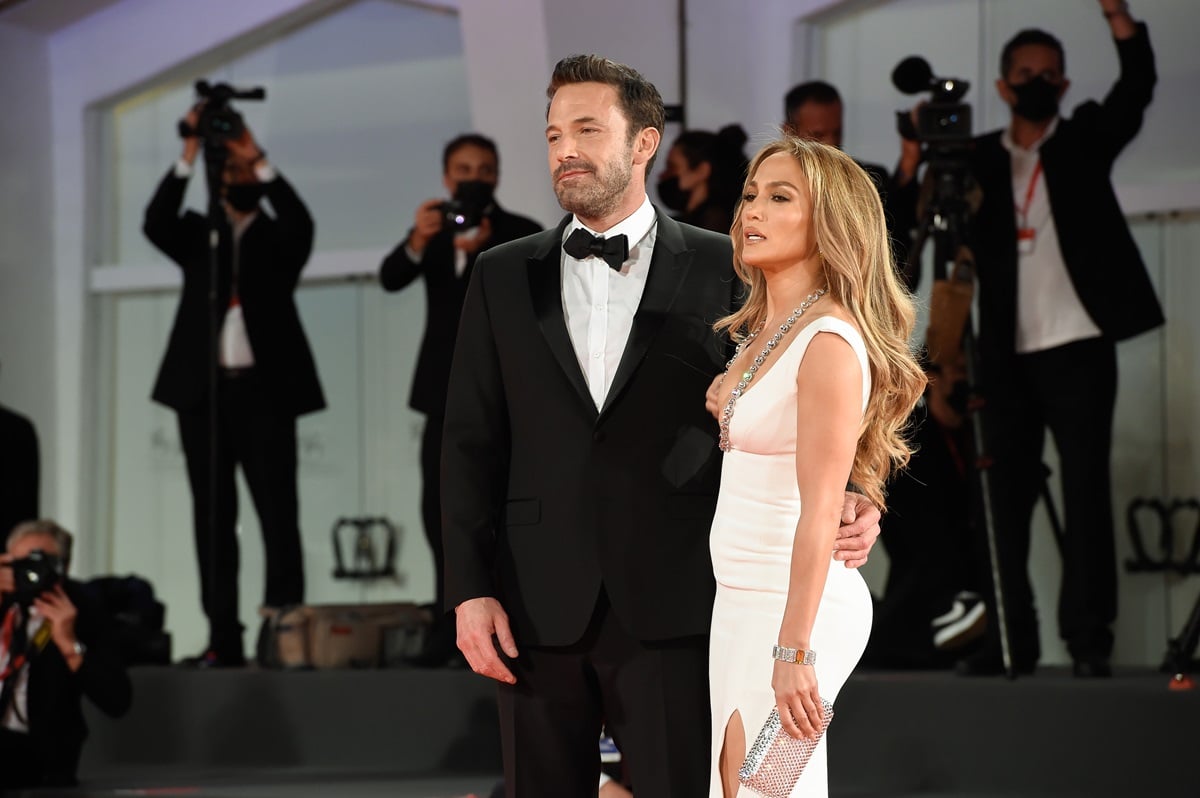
218, 122
943, 120
34, 574
466, 209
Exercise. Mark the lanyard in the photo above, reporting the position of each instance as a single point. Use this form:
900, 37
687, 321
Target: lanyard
1023, 211
14, 662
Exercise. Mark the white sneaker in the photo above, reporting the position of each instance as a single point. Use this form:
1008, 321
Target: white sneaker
965, 621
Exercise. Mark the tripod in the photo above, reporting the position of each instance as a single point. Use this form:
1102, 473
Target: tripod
951, 332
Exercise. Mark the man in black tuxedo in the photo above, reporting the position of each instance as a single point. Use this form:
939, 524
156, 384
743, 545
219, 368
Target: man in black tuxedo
443, 250
580, 466
1060, 282
55, 648
266, 375
813, 110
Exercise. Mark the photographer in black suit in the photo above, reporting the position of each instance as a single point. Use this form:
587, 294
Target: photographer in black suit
814, 111
55, 648
266, 375
445, 239
1060, 282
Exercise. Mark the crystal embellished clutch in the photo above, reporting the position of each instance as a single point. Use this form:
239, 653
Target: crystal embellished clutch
776, 760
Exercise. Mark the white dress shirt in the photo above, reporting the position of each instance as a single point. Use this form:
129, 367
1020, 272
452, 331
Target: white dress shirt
234, 346
16, 717
1049, 310
235, 349
599, 302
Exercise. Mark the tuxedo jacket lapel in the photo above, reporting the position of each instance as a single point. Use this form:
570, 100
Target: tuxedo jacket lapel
669, 267
545, 288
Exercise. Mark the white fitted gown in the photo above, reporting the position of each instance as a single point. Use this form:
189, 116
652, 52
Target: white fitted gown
751, 542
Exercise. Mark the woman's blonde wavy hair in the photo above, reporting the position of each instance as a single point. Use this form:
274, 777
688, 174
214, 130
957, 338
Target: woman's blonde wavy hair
852, 238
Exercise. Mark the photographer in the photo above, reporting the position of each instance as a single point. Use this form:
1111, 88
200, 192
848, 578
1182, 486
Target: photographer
266, 376
54, 649
445, 239
1060, 282
813, 111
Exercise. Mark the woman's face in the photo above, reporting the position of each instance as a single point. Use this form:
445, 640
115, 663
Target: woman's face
776, 215
689, 177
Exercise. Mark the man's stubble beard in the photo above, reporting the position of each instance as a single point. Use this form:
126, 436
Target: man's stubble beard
603, 195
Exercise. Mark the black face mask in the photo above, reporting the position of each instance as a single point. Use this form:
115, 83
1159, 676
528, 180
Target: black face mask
1037, 99
672, 195
244, 197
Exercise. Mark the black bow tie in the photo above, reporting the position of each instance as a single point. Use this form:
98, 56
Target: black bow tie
582, 244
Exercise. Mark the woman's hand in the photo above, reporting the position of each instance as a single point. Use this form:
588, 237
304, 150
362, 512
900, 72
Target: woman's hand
797, 699
711, 396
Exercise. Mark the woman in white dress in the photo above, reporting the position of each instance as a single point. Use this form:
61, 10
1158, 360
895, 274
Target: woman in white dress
801, 414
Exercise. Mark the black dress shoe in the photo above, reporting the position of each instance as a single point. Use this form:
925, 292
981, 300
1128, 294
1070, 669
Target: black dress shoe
210, 659
1092, 668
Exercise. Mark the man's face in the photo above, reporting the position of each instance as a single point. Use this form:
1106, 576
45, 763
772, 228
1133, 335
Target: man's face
1028, 62
20, 549
817, 122
590, 152
470, 162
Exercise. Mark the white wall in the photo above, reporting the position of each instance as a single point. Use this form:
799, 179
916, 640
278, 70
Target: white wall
27, 307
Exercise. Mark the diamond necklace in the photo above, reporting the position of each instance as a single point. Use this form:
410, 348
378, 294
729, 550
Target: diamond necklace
748, 375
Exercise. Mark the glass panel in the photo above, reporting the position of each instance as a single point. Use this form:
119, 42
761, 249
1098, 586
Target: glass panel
340, 120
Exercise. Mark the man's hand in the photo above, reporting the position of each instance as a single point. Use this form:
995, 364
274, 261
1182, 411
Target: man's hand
244, 150
191, 144
57, 609
472, 244
426, 224
712, 396
478, 620
858, 532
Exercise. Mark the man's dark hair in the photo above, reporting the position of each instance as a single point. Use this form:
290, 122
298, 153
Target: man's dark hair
637, 97
1027, 37
814, 91
468, 140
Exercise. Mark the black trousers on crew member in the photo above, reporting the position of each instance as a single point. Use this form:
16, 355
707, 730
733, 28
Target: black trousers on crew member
1070, 390
253, 434
651, 696
19, 766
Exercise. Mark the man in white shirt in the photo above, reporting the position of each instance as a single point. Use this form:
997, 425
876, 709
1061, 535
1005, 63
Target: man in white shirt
1061, 281
265, 375
55, 648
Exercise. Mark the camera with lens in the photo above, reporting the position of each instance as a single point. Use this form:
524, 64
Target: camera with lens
218, 121
34, 574
471, 200
944, 121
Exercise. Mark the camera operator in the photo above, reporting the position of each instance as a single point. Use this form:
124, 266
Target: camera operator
441, 247
55, 648
1060, 282
813, 110
266, 375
